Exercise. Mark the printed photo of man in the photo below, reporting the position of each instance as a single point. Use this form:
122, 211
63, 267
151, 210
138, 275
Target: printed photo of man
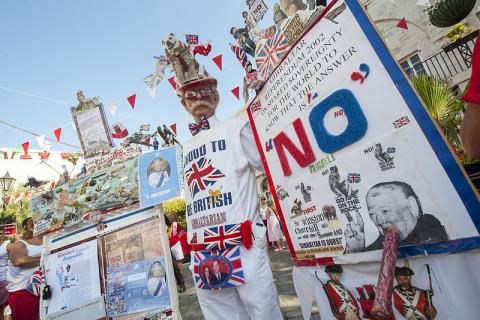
218, 277
394, 204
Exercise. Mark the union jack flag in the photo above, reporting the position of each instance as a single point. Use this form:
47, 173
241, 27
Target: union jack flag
202, 174
401, 122
269, 53
36, 282
222, 237
241, 56
354, 178
256, 106
229, 257
191, 38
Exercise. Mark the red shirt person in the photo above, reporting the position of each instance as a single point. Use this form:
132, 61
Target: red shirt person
343, 303
412, 303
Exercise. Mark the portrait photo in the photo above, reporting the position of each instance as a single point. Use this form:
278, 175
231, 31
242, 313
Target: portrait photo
157, 279
158, 172
215, 271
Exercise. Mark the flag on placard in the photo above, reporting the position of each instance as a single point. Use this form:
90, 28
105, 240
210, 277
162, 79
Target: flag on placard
145, 127
236, 92
191, 38
269, 52
241, 56
173, 83
173, 127
402, 24
57, 132
25, 146
131, 100
119, 131
113, 109
218, 61
201, 49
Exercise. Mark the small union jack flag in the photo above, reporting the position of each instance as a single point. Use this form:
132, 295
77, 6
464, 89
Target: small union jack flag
202, 174
241, 56
270, 52
401, 122
230, 258
222, 237
256, 106
36, 282
354, 178
191, 38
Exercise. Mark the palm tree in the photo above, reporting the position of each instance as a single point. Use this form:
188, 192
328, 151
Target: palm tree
444, 107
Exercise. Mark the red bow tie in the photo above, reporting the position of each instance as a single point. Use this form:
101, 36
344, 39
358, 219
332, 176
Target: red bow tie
202, 125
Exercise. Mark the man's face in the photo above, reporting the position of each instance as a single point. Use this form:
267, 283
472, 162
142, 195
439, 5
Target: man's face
216, 266
201, 101
133, 253
335, 277
388, 208
29, 225
404, 281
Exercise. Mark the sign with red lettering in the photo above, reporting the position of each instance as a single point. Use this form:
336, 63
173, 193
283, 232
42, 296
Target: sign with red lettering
257, 8
9, 229
340, 167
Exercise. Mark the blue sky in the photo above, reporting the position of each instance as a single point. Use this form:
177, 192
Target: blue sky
53, 48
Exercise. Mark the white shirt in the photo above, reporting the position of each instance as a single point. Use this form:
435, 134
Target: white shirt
18, 278
3, 261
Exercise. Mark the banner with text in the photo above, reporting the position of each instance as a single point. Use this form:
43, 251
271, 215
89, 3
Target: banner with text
350, 149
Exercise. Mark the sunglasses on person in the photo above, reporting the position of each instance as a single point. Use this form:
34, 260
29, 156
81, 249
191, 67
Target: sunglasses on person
204, 92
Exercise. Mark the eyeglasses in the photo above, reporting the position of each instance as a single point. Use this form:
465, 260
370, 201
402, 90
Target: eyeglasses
204, 92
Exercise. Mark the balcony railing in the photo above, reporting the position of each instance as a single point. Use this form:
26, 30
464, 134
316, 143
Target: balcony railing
452, 60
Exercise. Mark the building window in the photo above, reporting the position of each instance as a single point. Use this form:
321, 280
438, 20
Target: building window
413, 66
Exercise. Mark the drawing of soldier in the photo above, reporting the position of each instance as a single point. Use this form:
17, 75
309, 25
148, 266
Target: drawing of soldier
343, 303
413, 303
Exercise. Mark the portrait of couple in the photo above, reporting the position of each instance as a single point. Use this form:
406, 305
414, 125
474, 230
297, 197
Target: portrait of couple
215, 272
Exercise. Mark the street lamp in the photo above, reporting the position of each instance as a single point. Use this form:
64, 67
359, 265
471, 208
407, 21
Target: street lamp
5, 183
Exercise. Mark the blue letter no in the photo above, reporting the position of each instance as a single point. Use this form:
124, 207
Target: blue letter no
357, 123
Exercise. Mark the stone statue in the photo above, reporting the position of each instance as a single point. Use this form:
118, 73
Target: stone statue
185, 66
290, 7
84, 103
278, 15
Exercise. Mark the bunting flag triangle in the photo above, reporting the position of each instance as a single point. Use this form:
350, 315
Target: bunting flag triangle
402, 24
173, 83
113, 109
52, 184
218, 61
40, 140
236, 92
57, 132
173, 127
25, 146
147, 140
131, 100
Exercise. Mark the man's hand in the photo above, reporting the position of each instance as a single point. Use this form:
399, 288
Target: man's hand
355, 234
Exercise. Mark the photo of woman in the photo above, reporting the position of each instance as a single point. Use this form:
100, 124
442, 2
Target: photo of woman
158, 172
157, 282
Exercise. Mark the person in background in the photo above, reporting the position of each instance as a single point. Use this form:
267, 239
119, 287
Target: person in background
469, 132
24, 258
176, 268
263, 214
3, 272
273, 226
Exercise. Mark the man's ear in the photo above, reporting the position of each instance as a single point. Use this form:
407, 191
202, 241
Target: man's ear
413, 205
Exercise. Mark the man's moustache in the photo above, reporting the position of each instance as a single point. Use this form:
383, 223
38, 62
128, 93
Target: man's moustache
200, 103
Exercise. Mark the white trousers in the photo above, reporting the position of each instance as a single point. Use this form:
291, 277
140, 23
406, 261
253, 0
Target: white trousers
257, 299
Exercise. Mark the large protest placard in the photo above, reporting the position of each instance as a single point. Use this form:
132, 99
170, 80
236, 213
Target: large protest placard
136, 272
74, 279
158, 176
350, 149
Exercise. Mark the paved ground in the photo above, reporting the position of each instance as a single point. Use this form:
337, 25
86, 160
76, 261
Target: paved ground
282, 273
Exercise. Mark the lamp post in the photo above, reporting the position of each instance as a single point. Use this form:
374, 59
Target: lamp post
6, 183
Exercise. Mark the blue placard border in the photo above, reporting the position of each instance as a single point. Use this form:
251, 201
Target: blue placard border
447, 160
